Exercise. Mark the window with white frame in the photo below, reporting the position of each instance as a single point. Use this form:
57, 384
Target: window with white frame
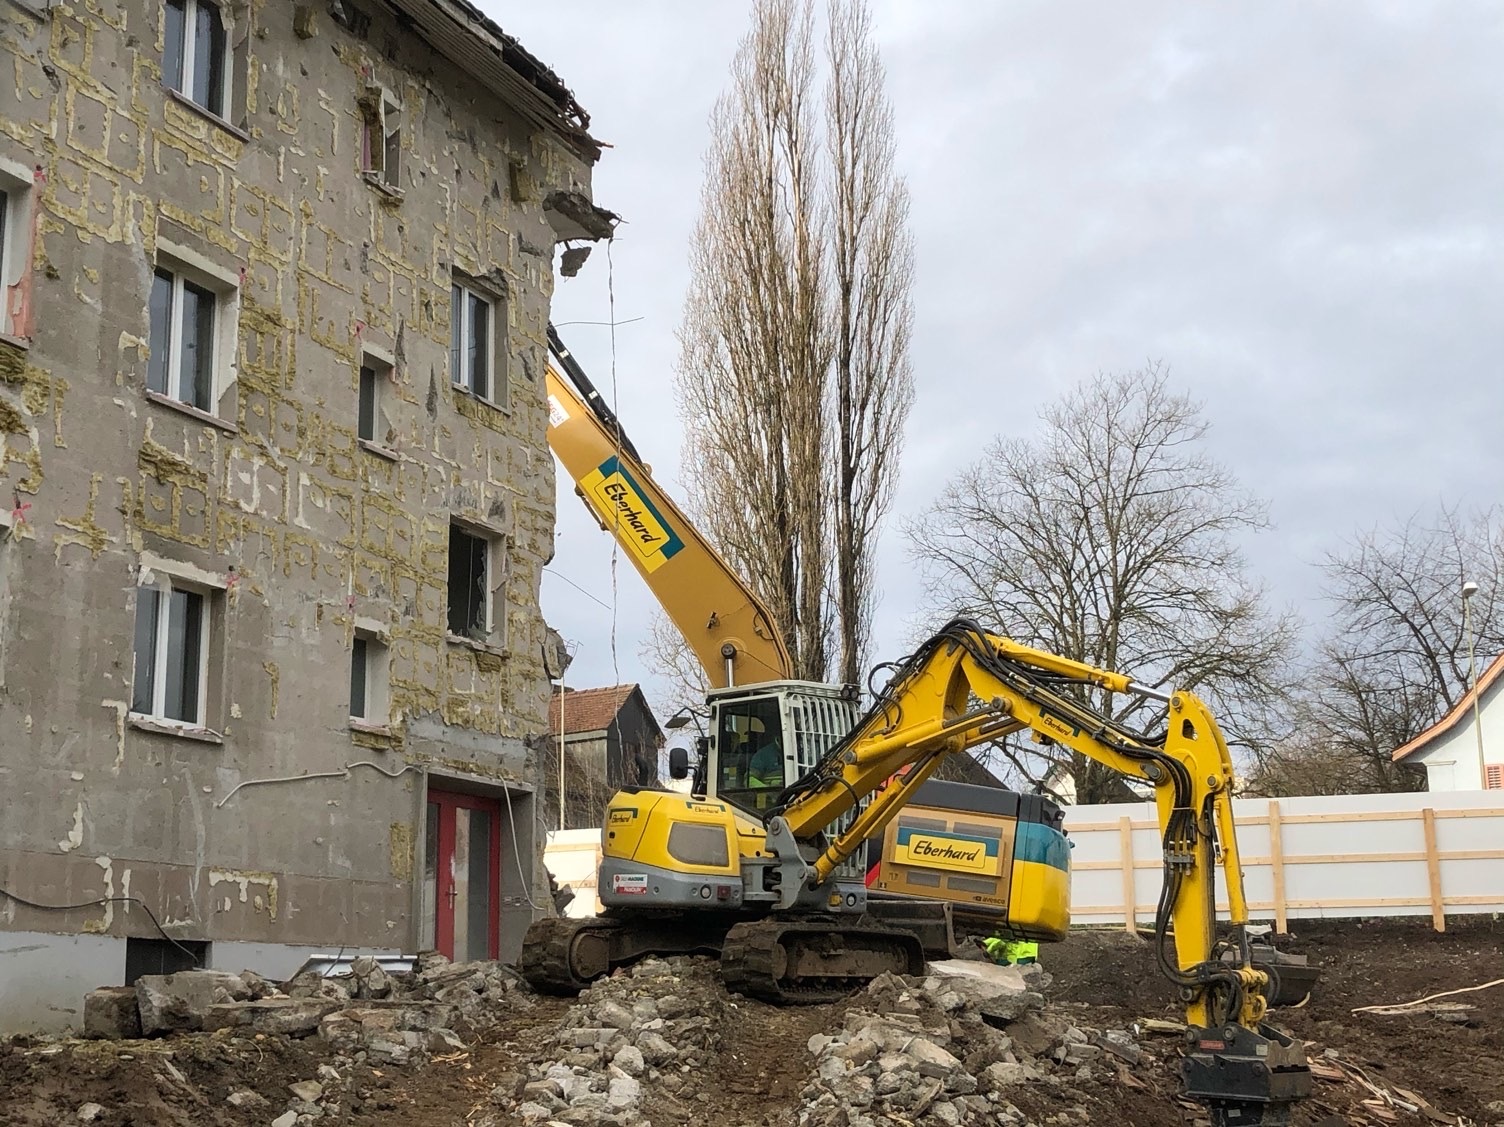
370, 423
368, 678
381, 145
192, 331
195, 53
475, 319
15, 225
471, 556
172, 653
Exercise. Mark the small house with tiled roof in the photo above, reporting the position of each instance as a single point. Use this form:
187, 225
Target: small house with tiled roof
1454, 752
610, 739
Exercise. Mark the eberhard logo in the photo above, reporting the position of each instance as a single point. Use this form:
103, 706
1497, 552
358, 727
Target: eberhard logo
618, 500
1060, 729
945, 851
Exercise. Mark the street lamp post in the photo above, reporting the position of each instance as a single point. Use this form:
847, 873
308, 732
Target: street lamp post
1469, 589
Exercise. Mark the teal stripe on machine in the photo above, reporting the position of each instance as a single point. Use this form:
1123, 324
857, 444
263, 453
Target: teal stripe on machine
1042, 845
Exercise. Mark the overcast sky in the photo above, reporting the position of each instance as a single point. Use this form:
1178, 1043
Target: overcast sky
1296, 206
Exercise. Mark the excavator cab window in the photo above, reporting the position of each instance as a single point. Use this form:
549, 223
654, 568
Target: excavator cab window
749, 753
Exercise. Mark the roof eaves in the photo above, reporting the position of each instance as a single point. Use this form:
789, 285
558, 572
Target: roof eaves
460, 31
1455, 714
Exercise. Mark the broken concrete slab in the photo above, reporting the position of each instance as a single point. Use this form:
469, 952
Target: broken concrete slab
111, 1012
980, 975
290, 1017
178, 1002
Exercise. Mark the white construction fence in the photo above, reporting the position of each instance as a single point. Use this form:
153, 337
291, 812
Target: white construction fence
1337, 857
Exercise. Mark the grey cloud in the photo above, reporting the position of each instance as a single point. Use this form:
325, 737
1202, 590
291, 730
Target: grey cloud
1296, 206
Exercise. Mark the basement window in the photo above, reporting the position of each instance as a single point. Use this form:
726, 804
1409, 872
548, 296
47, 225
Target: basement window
195, 50
161, 956
368, 679
171, 679
473, 557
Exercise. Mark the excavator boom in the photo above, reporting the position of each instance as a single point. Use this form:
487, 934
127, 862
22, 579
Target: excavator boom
966, 686
731, 632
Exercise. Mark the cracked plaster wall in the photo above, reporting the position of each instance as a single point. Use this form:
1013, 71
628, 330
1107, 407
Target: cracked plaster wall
303, 528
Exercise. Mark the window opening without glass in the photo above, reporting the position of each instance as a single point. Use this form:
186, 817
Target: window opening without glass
469, 592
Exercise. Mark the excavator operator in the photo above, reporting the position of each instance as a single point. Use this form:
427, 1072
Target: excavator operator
765, 768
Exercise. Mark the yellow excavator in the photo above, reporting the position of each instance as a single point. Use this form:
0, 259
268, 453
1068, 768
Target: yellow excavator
763, 866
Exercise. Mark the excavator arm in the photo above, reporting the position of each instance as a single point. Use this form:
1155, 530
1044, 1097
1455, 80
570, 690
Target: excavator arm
966, 686
731, 632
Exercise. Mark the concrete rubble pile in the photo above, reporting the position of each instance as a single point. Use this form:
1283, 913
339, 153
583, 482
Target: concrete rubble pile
386, 1015
655, 1028
368, 1016
951, 1048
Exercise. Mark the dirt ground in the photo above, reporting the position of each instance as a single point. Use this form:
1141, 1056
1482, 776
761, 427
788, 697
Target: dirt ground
1363, 963
1102, 979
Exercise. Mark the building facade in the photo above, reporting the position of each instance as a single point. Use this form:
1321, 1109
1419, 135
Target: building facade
274, 483
1464, 750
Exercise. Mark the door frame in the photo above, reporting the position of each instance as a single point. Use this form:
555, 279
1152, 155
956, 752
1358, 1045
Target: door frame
448, 802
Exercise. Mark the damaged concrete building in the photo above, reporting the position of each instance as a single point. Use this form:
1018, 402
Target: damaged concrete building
276, 490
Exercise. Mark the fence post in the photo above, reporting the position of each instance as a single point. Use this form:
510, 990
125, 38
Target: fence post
1433, 870
1277, 863
1125, 848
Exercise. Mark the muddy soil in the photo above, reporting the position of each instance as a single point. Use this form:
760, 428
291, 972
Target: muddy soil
1363, 963
1103, 979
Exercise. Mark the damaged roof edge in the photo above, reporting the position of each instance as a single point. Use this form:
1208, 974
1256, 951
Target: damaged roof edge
462, 32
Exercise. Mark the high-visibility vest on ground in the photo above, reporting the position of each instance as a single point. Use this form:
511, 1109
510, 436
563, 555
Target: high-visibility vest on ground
1011, 951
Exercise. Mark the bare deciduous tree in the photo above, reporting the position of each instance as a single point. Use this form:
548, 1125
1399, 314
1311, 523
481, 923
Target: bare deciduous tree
1396, 658
1111, 537
794, 378
682, 677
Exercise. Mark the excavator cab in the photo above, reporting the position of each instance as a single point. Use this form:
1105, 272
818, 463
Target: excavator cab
751, 767
765, 736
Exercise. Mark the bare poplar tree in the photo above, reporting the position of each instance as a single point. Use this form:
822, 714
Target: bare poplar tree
1110, 536
1396, 658
794, 378
872, 260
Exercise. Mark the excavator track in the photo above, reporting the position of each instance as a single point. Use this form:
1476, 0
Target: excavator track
805, 962
548, 954
563, 956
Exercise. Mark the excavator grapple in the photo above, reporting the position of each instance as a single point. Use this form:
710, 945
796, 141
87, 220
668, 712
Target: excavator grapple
1246, 1077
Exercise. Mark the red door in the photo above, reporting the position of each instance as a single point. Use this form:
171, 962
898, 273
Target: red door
462, 876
